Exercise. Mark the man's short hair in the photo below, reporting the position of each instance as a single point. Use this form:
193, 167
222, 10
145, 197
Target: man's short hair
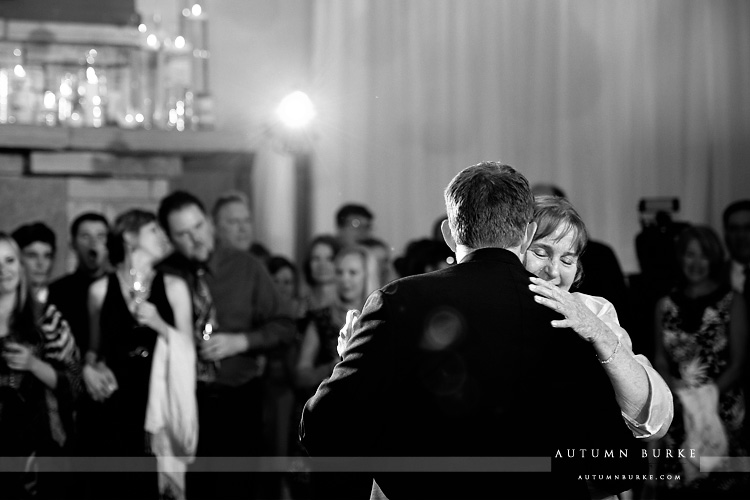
35, 231
352, 209
489, 205
733, 208
227, 198
541, 189
86, 217
174, 202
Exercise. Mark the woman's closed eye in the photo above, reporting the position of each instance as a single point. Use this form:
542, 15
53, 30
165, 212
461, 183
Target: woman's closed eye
539, 252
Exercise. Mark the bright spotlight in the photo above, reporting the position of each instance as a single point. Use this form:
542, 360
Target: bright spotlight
296, 110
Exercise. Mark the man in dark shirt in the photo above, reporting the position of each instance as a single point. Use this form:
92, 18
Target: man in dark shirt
251, 318
353, 223
88, 239
736, 222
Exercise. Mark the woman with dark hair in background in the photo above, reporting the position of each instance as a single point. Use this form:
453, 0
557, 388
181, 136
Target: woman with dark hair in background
701, 332
320, 272
38, 246
284, 275
142, 358
40, 378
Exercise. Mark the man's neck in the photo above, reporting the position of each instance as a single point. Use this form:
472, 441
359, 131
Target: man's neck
462, 251
92, 275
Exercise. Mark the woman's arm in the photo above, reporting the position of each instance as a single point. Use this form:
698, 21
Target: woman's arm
61, 351
178, 295
307, 374
22, 358
737, 345
172, 413
628, 377
97, 292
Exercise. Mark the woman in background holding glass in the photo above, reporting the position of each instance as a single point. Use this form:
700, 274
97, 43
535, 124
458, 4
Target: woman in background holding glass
40, 378
131, 311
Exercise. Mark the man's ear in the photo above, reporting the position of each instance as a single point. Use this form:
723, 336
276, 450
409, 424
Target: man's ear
447, 236
528, 237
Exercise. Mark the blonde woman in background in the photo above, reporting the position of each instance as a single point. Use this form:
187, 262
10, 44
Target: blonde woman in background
356, 277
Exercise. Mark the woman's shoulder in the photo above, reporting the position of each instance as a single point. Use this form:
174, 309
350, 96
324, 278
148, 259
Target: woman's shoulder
99, 285
174, 281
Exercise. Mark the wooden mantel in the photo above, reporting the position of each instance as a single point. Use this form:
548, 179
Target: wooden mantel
118, 140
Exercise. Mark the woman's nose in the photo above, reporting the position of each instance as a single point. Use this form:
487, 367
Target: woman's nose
552, 269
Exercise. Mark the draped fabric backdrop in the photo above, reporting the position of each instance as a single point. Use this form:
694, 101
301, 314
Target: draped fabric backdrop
612, 101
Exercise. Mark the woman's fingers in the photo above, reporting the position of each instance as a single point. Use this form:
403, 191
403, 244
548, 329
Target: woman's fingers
561, 323
551, 303
543, 291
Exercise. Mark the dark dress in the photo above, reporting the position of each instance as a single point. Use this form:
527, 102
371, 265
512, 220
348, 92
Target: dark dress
33, 418
697, 345
127, 348
328, 321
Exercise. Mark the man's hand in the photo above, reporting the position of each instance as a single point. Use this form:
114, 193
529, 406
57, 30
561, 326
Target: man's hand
223, 345
352, 316
99, 380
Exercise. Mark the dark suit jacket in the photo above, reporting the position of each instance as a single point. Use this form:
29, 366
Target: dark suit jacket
464, 363
603, 277
727, 276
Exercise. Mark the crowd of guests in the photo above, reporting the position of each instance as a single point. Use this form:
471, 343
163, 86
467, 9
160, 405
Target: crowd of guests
179, 339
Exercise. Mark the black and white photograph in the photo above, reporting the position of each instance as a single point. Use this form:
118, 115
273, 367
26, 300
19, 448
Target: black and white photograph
374, 249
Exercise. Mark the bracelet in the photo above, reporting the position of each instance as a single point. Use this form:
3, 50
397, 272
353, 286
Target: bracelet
612, 356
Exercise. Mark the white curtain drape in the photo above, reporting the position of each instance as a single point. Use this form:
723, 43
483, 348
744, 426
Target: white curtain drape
612, 101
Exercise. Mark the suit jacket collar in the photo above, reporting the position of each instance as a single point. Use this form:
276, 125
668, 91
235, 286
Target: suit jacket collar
492, 254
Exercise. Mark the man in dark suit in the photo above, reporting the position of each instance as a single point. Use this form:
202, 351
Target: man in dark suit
463, 362
736, 219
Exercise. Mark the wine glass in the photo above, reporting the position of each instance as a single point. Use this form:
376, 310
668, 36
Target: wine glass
139, 290
139, 293
207, 370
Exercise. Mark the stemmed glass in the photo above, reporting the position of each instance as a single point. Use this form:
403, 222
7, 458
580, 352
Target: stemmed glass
139, 290
139, 293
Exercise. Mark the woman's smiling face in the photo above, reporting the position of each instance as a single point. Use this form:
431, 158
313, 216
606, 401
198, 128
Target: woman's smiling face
553, 258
